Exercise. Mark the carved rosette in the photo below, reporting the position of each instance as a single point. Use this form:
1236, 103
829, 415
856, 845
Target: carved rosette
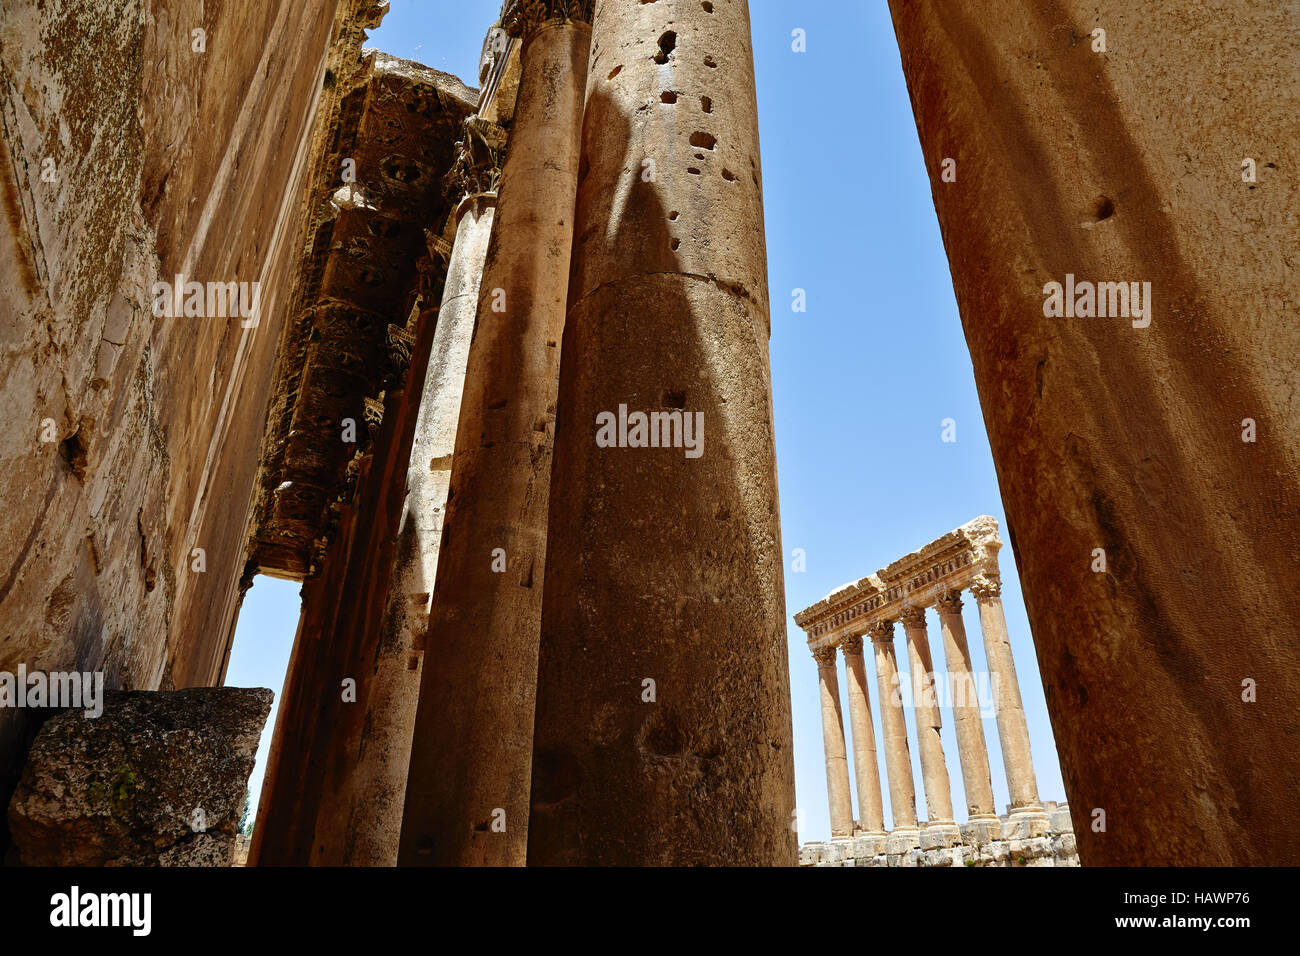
912, 616
950, 603
882, 631
986, 587
480, 153
852, 644
519, 18
824, 656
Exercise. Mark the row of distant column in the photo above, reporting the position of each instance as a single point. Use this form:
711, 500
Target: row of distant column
1027, 815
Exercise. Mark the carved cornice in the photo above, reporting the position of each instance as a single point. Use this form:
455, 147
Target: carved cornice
949, 563
912, 616
882, 632
852, 644
824, 656
950, 603
519, 18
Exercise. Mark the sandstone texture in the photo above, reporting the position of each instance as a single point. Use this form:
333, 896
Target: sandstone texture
668, 567
159, 779
1169, 675
127, 157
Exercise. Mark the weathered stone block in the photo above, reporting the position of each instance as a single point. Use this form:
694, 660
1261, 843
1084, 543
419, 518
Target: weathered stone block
159, 779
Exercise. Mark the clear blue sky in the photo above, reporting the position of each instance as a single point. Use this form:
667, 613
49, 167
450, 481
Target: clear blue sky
862, 380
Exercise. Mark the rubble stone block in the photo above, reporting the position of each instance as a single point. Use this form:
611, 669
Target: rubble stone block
159, 779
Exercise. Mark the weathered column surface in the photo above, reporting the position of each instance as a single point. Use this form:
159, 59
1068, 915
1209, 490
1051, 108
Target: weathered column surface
369, 808
1149, 156
1013, 730
663, 710
893, 725
865, 767
940, 826
837, 761
968, 723
467, 792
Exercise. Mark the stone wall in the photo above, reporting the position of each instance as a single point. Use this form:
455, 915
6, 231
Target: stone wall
127, 156
1055, 848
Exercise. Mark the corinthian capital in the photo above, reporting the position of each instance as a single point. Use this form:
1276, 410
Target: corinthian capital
882, 631
824, 656
479, 154
986, 587
912, 616
521, 17
852, 645
949, 603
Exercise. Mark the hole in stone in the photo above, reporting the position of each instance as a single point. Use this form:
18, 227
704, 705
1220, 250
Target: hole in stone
708, 7
74, 453
615, 72
675, 243
728, 175
667, 43
692, 170
703, 140
706, 104
1105, 209
667, 96
711, 63
674, 399
699, 155
672, 216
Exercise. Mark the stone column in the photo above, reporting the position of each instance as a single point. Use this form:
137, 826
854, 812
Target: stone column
967, 720
1076, 165
940, 829
663, 702
467, 792
867, 771
1027, 816
898, 759
837, 763
376, 787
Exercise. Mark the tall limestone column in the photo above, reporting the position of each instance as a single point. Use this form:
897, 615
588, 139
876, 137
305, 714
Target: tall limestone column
663, 702
898, 759
976, 776
1027, 816
376, 788
940, 829
865, 767
467, 792
1150, 472
837, 761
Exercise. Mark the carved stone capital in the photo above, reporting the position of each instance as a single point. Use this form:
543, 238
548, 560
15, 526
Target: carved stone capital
374, 413
912, 616
986, 587
882, 631
852, 644
824, 656
519, 18
480, 151
950, 603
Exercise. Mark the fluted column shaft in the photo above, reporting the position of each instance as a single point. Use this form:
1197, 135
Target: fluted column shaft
467, 795
837, 765
898, 758
865, 768
368, 808
934, 767
1013, 730
968, 723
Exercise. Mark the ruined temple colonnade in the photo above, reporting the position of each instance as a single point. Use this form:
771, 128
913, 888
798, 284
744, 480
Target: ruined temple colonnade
935, 576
